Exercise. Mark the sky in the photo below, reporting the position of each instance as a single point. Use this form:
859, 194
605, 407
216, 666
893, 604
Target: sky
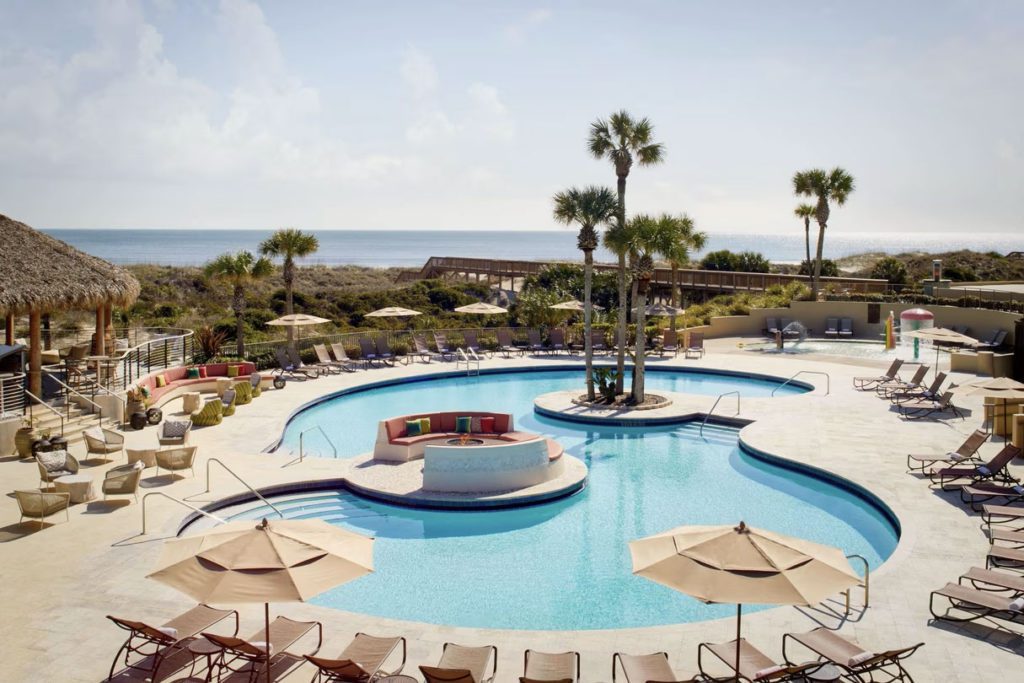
471, 115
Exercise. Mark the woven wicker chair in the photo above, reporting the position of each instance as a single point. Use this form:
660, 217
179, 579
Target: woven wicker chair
55, 464
103, 442
41, 504
123, 481
211, 413
228, 402
243, 393
254, 382
174, 433
176, 459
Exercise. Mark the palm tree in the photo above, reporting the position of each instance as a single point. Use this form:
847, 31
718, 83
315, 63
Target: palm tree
289, 243
590, 207
835, 185
621, 139
238, 270
616, 241
644, 235
806, 211
681, 238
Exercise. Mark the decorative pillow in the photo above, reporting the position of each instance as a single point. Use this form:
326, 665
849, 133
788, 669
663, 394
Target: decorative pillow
424, 425
175, 429
168, 631
768, 671
202, 372
463, 425
984, 471
1017, 605
474, 425
233, 370
161, 381
53, 461
413, 427
192, 373
856, 660
486, 425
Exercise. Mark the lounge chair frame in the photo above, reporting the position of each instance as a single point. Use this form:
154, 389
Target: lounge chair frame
460, 672
325, 360
505, 344
696, 345
617, 658
869, 383
444, 349
346, 669
967, 451
974, 604
547, 664
951, 478
751, 661
888, 663
239, 656
922, 408
285, 368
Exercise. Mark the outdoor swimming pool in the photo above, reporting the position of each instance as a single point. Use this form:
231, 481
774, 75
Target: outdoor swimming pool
845, 347
566, 564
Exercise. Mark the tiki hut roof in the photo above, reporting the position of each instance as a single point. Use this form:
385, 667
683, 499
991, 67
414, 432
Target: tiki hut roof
42, 273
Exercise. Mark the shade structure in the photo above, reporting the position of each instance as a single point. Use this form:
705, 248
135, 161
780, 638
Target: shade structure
739, 565
273, 561
574, 305
663, 310
481, 308
392, 312
938, 336
297, 320
1005, 388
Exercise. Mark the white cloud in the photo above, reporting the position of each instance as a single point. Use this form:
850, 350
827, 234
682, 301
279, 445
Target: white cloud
516, 32
418, 72
489, 113
430, 126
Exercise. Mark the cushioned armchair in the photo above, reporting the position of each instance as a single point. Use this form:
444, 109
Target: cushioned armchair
103, 441
174, 432
243, 393
123, 481
54, 464
210, 414
254, 382
176, 459
228, 401
41, 504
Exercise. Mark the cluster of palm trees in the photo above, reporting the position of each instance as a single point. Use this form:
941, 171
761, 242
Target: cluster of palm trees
240, 269
825, 186
635, 241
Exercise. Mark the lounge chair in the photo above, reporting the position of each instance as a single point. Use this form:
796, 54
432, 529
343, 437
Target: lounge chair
696, 345
176, 459
444, 349
102, 442
783, 324
831, 327
341, 355
471, 341
994, 340
669, 343
597, 341
920, 408
368, 351
286, 368
460, 664
645, 668
976, 495
754, 665
950, 478
969, 604
894, 386
296, 359
534, 343
771, 326
55, 464
558, 340
384, 353
361, 661
932, 391
993, 580
1002, 556
846, 327
123, 480
212, 413
227, 402
963, 453
505, 345
548, 666
422, 349
241, 655
38, 505
174, 432
992, 515
154, 644
850, 657
867, 383
324, 359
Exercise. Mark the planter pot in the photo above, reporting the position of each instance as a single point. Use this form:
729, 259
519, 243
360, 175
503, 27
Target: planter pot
23, 441
138, 420
41, 445
8, 430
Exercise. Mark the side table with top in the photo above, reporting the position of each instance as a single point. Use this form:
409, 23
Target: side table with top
78, 487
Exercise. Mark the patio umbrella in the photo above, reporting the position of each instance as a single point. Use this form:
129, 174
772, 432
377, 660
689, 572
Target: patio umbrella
663, 311
481, 308
727, 564
938, 336
297, 320
281, 561
392, 312
573, 305
1005, 388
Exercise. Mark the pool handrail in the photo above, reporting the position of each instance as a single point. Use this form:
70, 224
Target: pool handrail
828, 380
243, 481
302, 435
215, 518
715, 405
866, 584
467, 356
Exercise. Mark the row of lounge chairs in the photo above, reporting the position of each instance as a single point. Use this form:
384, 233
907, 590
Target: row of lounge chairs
838, 327
366, 658
912, 398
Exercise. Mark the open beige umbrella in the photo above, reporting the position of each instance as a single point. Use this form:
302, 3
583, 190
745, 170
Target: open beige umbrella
1005, 388
727, 564
938, 336
392, 312
297, 320
272, 561
481, 308
573, 305
663, 311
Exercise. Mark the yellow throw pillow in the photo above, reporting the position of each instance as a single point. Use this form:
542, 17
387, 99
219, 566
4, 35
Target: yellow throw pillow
161, 381
233, 370
425, 425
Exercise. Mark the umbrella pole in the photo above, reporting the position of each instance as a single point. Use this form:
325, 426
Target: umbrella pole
266, 621
739, 621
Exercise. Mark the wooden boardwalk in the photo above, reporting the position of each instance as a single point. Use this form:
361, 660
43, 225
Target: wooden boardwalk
501, 271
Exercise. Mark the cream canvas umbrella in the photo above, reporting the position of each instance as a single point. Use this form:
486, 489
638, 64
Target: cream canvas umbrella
1005, 388
271, 561
663, 311
727, 564
392, 312
481, 308
297, 320
940, 335
573, 305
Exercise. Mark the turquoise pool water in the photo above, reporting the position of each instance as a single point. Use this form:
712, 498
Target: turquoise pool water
565, 564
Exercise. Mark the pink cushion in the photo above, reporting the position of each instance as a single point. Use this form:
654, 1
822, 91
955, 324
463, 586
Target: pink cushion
517, 436
410, 440
445, 423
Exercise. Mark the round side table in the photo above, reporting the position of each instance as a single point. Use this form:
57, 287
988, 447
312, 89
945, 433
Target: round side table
223, 384
190, 402
79, 486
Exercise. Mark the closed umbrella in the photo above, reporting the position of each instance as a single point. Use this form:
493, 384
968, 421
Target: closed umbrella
1005, 388
273, 561
727, 564
938, 336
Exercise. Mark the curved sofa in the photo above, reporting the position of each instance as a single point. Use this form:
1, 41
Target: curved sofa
178, 382
395, 445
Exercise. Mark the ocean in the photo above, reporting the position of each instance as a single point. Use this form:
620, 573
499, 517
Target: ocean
411, 248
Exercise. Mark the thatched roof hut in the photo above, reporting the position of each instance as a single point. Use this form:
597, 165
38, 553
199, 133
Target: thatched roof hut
41, 273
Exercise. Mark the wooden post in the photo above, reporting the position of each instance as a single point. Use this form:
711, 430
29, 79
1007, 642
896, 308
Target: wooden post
108, 326
9, 333
48, 342
35, 356
97, 344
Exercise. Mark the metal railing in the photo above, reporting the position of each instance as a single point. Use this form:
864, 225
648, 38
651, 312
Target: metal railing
12, 392
467, 356
866, 584
243, 482
179, 501
42, 403
69, 392
828, 380
715, 405
168, 350
302, 435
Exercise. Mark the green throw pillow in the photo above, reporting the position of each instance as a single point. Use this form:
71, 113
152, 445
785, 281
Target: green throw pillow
424, 425
463, 425
233, 370
193, 373
413, 428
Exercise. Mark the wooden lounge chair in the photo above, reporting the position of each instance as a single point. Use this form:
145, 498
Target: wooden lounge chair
316, 368
963, 453
696, 345
831, 327
55, 464
754, 665
176, 459
534, 343
921, 408
102, 442
669, 343
38, 505
894, 386
460, 664
472, 343
361, 661
422, 349
558, 340
286, 368
846, 327
324, 359
505, 345
153, 644
950, 478
932, 391
850, 657
444, 349
250, 655
563, 667
123, 481
868, 383
341, 355
969, 604
384, 353
646, 668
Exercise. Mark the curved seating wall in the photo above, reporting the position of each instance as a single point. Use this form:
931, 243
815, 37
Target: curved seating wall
490, 467
178, 382
395, 445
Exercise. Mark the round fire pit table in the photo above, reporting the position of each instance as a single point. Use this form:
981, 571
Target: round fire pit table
467, 442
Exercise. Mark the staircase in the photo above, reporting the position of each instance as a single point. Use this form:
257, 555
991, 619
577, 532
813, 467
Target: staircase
76, 419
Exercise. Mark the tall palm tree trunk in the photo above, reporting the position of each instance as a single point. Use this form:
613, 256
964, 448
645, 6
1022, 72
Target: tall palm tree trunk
807, 241
289, 287
675, 292
588, 342
620, 359
641, 342
238, 306
816, 281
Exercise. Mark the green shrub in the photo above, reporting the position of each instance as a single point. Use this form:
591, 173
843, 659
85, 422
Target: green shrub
890, 269
828, 268
719, 260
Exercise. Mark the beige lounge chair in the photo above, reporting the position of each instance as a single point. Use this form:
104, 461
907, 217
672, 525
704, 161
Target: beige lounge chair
55, 464
976, 495
153, 644
754, 665
696, 345
103, 441
646, 668
669, 342
38, 505
920, 408
966, 451
461, 664
993, 515
175, 432
993, 580
325, 360
1001, 556
505, 344
850, 657
539, 667
866, 383
422, 349
249, 655
361, 661
341, 355
176, 459
969, 604
831, 327
897, 386
123, 480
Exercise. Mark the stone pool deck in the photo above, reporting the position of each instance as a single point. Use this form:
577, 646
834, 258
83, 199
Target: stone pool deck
60, 582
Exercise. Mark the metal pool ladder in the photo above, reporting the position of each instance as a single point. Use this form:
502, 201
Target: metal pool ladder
468, 356
302, 435
865, 583
828, 380
715, 405
242, 481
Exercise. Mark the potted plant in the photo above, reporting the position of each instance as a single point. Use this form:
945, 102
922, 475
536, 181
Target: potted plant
138, 397
15, 435
41, 444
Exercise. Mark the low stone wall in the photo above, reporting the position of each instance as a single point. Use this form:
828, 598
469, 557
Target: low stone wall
490, 467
